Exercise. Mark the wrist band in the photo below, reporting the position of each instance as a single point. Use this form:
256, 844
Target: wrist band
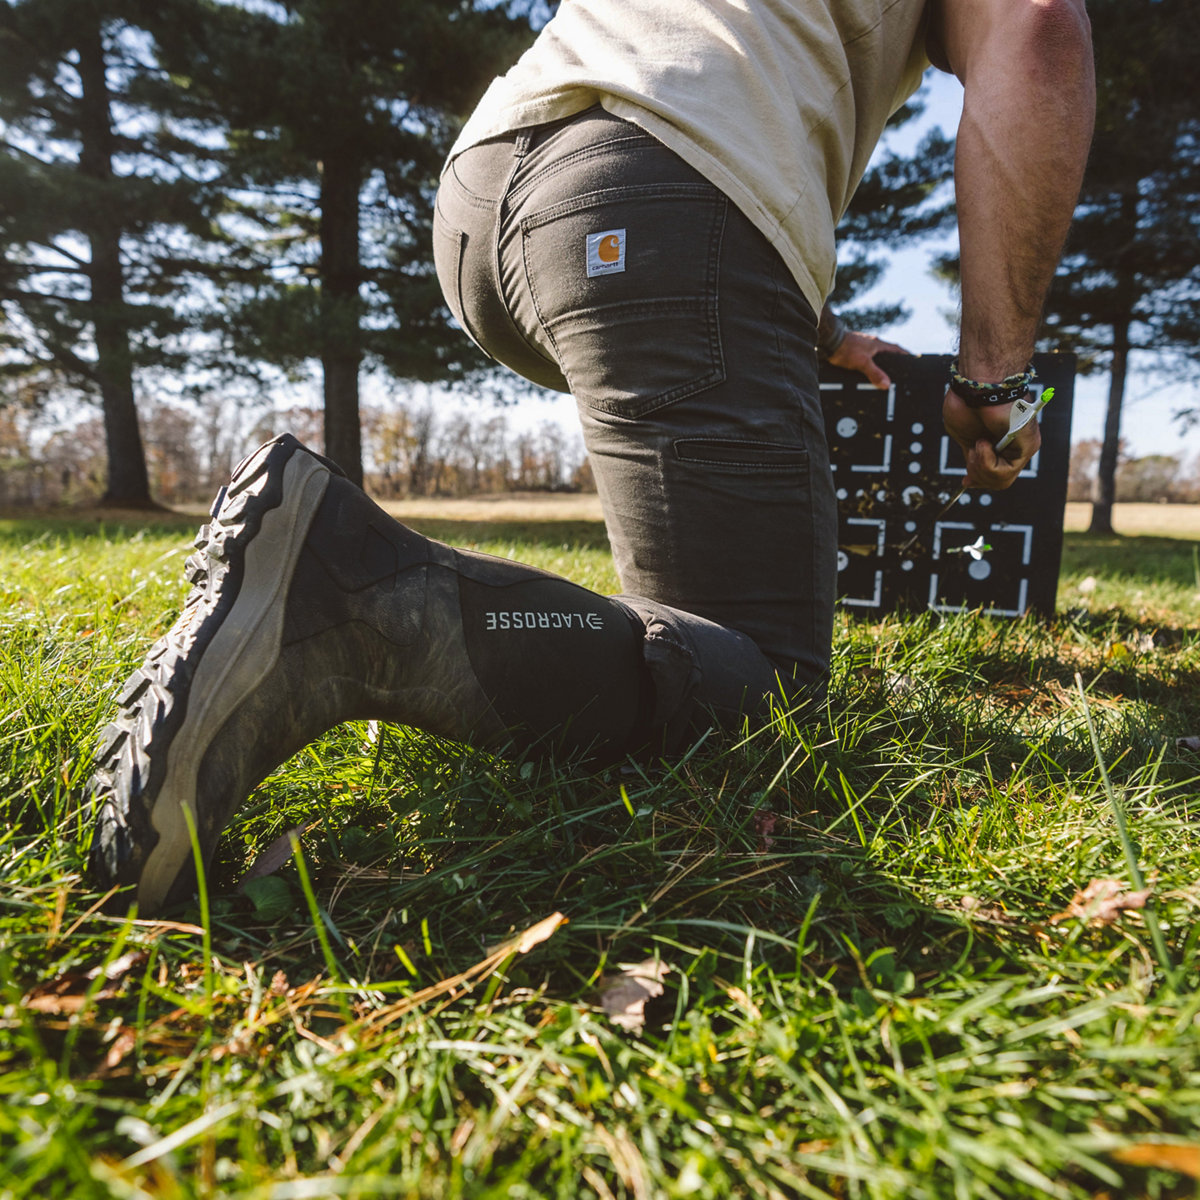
981, 395
831, 332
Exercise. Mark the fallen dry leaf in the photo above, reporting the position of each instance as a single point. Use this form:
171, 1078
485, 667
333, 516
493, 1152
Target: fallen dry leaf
623, 996
1101, 903
533, 936
157, 927
122, 1044
764, 826
276, 854
740, 998
173, 1034
68, 993
1165, 1155
976, 910
454, 986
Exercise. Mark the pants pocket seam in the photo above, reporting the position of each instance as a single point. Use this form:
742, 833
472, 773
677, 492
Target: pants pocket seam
473, 199
613, 195
741, 455
586, 153
454, 293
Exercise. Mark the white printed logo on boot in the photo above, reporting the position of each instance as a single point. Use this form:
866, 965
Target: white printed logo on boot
542, 620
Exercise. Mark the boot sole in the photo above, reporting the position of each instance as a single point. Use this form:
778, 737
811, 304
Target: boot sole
214, 657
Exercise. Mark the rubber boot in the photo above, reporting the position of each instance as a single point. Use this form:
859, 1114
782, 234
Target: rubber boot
311, 606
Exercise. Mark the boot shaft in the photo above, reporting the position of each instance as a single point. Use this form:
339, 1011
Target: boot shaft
464, 644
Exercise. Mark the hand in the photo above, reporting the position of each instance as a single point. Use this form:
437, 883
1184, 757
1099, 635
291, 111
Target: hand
977, 430
857, 353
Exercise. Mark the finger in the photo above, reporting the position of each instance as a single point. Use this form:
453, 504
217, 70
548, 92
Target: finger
986, 469
1025, 445
876, 374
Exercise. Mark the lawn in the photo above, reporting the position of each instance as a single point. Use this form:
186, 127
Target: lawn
941, 943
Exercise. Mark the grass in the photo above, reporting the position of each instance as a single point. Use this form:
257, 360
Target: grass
876, 984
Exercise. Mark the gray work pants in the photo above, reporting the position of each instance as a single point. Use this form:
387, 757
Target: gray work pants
589, 258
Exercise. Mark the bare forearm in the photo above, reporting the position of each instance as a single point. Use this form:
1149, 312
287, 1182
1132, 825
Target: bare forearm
1028, 110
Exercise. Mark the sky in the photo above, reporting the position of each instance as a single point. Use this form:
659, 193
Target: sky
1146, 423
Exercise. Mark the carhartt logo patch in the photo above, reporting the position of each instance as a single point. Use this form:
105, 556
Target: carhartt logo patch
605, 252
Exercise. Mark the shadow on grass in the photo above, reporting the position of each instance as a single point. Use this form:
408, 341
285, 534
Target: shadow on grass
718, 865
109, 525
537, 534
81, 526
1136, 560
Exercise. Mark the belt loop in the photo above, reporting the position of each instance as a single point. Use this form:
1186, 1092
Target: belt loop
522, 141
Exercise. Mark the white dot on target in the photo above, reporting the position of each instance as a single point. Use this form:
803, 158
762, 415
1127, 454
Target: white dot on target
915, 447
906, 565
847, 427
918, 427
985, 499
909, 526
842, 493
914, 467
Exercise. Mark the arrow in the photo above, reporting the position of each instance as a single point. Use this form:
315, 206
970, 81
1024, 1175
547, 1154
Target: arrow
1023, 411
976, 550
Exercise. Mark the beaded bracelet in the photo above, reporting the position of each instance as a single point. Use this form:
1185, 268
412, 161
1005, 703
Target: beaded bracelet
980, 395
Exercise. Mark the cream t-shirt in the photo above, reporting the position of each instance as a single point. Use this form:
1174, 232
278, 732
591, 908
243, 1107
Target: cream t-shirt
779, 103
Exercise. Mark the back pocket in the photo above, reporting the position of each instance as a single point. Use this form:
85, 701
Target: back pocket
624, 281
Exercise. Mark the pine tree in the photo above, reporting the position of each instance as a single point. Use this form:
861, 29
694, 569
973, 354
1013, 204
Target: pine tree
92, 211
1130, 280
337, 115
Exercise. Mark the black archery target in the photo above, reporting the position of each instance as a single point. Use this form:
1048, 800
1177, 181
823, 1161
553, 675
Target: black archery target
895, 469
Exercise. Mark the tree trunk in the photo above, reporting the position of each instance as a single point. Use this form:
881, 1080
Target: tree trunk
341, 311
1106, 471
128, 483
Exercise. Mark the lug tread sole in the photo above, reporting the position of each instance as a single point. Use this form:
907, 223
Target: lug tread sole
132, 757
